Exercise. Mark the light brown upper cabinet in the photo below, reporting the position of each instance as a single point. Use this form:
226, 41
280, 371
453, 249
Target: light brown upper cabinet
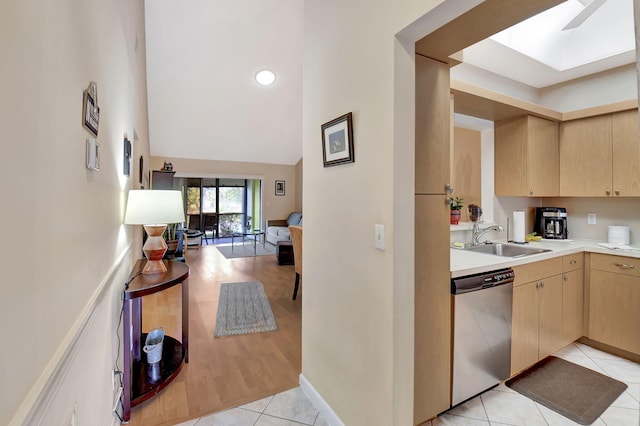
433, 120
626, 154
600, 156
526, 157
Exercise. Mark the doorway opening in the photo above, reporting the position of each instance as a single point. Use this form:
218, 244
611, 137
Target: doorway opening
220, 207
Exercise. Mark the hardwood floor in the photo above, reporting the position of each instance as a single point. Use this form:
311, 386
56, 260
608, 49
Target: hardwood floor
229, 371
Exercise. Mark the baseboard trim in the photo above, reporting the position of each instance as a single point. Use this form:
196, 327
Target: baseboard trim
37, 401
321, 405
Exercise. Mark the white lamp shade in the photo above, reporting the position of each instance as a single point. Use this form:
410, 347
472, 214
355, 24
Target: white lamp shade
146, 207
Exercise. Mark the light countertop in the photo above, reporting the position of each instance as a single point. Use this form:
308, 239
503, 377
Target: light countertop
466, 262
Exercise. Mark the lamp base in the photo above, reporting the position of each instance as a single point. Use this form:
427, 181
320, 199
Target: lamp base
154, 248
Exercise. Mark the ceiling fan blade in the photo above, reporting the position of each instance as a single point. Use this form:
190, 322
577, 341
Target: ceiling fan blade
586, 13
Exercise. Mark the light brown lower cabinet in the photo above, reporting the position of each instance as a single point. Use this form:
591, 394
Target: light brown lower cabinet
432, 367
614, 301
547, 308
537, 312
572, 297
537, 316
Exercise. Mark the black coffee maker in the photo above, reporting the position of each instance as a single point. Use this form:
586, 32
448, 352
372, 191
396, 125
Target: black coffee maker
551, 223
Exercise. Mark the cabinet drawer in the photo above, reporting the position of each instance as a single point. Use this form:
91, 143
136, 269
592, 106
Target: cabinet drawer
537, 270
616, 264
572, 262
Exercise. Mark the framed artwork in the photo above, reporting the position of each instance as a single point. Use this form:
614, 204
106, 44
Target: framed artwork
140, 169
279, 187
90, 109
337, 141
126, 166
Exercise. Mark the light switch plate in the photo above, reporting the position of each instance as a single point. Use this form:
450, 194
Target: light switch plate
379, 236
93, 154
591, 218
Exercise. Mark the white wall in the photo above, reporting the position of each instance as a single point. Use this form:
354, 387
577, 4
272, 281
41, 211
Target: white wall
616, 85
63, 261
619, 84
609, 211
488, 80
357, 340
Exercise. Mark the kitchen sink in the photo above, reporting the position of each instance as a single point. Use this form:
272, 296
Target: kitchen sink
505, 250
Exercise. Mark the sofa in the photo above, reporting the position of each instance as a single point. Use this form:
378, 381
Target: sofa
278, 229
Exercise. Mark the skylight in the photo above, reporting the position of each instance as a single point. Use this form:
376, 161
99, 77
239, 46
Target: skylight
607, 32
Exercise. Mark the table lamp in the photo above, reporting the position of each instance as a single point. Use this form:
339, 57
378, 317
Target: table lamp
154, 209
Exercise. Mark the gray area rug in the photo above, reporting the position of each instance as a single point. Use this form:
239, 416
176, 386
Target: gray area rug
572, 390
245, 250
243, 308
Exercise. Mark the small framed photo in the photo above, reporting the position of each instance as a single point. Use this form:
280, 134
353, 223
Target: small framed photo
91, 113
279, 187
337, 141
126, 166
140, 169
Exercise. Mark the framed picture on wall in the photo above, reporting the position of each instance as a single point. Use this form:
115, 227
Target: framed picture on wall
90, 109
126, 165
279, 187
337, 141
140, 169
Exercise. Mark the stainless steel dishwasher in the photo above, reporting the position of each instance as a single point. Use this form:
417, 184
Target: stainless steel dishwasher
481, 332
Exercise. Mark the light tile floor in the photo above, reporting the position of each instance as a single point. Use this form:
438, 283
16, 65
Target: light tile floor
289, 408
500, 406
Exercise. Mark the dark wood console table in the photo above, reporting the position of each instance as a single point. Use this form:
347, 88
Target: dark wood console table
138, 384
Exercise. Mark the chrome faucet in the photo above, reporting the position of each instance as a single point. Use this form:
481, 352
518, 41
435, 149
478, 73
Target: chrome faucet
477, 233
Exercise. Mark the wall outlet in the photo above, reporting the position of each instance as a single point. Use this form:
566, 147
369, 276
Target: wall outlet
591, 218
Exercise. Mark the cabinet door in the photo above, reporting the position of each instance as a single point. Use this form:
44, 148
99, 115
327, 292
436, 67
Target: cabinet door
572, 305
614, 316
524, 327
586, 157
550, 300
626, 154
432, 126
526, 157
510, 157
543, 162
432, 351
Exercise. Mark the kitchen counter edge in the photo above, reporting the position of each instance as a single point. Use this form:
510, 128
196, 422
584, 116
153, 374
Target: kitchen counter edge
465, 262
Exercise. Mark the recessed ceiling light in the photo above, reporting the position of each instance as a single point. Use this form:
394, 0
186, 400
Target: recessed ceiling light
265, 77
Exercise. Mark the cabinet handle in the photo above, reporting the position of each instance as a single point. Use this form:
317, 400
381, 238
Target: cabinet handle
625, 266
448, 188
617, 192
531, 192
565, 277
608, 192
573, 262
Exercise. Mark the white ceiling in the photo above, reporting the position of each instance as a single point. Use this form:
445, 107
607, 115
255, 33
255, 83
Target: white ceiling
202, 56
204, 103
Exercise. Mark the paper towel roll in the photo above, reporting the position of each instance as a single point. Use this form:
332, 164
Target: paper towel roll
518, 226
